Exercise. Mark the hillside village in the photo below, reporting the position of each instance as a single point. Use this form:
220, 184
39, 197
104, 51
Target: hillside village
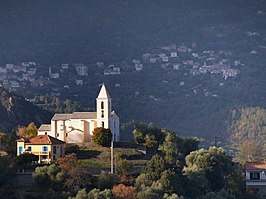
53, 80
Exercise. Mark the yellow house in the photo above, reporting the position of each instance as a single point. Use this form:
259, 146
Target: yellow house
46, 147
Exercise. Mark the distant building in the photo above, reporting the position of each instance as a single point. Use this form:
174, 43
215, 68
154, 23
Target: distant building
46, 147
79, 82
153, 60
173, 54
176, 66
139, 67
77, 127
112, 70
65, 66
81, 69
9, 66
256, 177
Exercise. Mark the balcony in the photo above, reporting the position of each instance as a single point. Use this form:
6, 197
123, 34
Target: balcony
38, 152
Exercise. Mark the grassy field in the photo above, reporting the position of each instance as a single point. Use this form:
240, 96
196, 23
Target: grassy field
93, 156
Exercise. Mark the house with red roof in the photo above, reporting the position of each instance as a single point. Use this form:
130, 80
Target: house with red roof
256, 177
46, 147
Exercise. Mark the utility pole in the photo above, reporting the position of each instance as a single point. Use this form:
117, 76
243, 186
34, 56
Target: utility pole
112, 157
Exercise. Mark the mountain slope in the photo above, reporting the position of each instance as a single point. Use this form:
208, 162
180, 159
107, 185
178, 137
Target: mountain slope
15, 110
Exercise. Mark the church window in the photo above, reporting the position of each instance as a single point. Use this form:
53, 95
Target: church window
102, 105
102, 114
102, 124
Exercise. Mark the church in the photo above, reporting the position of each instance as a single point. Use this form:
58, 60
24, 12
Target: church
77, 127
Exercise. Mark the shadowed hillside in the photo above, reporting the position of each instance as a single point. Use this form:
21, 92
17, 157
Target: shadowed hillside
15, 110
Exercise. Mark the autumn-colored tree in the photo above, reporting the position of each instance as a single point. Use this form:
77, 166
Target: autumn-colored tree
124, 192
21, 130
250, 151
27, 132
76, 178
67, 162
102, 136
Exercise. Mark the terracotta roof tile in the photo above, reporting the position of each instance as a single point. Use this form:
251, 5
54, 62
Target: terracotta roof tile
256, 165
41, 139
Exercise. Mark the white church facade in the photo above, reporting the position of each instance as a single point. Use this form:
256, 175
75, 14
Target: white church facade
77, 127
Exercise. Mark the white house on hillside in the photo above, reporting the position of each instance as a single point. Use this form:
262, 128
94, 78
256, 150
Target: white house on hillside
256, 177
77, 127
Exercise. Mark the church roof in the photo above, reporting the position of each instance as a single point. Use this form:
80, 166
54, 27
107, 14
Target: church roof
75, 115
103, 93
45, 127
62, 117
84, 115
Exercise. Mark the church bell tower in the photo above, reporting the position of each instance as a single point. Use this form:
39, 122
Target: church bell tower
104, 107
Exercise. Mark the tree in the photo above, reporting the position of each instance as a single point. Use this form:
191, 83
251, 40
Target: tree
155, 167
97, 194
222, 194
124, 192
139, 136
10, 144
150, 193
210, 169
173, 196
67, 162
27, 132
248, 133
169, 148
26, 158
73, 148
123, 166
149, 136
106, 180
31, 130
143, 181
48, 176
93, 194
76, 177
250, 151
5, 163
151, 142
102, 136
